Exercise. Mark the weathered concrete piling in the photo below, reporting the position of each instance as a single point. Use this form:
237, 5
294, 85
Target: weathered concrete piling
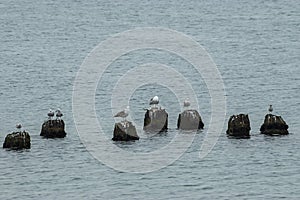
274, 125
17, 140
156, 119
239, 126
53, 129
189, 120
125, 131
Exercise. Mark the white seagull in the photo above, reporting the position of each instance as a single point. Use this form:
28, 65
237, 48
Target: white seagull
58, 114
186, 103
271, 108
154, 101
50, 114
124, 113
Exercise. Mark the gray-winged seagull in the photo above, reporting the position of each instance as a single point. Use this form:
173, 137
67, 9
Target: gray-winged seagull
124, 113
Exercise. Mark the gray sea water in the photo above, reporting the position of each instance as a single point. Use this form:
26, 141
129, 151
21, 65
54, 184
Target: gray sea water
255, 45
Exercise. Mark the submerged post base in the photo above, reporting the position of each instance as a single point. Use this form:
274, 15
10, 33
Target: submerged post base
189, 120
125, 131
274, 125
156, 119
239, 126
53, 129
17, 140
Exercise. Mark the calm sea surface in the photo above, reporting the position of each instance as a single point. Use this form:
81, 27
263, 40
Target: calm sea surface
255, 45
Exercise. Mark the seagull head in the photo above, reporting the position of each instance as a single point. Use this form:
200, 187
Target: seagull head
155, 98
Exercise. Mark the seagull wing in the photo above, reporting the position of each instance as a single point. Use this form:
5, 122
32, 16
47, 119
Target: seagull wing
151, 101
120, 114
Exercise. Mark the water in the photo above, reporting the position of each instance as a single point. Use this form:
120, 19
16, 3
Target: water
255, 46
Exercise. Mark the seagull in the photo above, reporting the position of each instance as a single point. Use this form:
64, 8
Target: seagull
19, 126
50, 114
124, 113
154, 101
58, 114
186, 103
270, 109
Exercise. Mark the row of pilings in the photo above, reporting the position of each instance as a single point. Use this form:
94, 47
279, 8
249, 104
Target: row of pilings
156, 120
21, 139
239, 126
